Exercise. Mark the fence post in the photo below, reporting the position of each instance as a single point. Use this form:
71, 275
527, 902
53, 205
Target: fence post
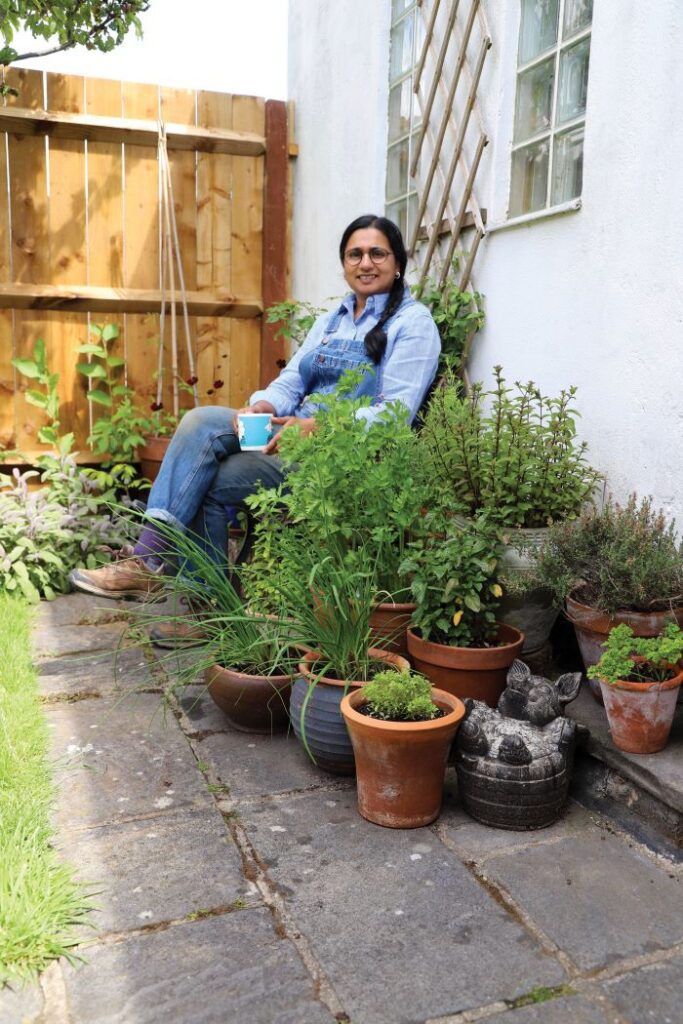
275, 202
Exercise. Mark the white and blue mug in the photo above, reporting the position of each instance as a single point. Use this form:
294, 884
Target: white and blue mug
254, 430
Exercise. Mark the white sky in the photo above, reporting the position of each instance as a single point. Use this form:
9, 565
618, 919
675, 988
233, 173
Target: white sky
237, 46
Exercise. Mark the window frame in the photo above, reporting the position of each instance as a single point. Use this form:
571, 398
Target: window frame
409, 197
560, 46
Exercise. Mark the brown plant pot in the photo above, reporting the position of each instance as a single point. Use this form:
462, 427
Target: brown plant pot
151, 456
640, 714
258, 704
400, 765
592, 628
390, 622
478, 672
317, 720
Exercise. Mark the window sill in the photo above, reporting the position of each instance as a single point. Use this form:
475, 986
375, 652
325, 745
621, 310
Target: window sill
531, 218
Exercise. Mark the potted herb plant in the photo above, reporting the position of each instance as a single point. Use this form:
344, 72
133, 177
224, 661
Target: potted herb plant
401, 730
456, 639
513, 453
639, 678
618, 564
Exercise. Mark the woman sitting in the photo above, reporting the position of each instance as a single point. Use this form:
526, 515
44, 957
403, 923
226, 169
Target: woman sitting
379, 327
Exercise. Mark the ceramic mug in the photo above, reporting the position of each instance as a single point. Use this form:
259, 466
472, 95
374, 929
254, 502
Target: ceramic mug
254, 430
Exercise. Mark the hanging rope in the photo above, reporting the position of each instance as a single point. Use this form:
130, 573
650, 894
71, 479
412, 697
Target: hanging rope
170, 261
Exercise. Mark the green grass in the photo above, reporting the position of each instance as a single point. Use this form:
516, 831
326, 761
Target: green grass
40, 904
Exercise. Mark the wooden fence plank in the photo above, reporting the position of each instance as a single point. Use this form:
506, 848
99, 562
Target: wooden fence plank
274, 269
248, 114
123, 300
8, 424
214, 254
67, 216
141, 254
30, 253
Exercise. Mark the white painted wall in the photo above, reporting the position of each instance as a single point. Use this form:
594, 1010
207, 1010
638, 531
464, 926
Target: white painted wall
592, 298
338, 79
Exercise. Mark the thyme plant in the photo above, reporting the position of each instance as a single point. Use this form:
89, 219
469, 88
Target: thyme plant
400, 697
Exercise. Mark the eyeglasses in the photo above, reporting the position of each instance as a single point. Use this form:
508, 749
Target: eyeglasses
354, 256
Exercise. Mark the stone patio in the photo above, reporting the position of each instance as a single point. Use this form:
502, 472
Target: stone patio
236, 883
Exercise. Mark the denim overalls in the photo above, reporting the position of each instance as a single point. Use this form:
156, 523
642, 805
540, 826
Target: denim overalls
321, 368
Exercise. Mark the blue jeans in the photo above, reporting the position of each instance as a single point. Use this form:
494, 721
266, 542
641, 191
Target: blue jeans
203, 473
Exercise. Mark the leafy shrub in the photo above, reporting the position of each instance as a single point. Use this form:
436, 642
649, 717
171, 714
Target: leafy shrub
400, 697
659, 652
457, 315
615, 557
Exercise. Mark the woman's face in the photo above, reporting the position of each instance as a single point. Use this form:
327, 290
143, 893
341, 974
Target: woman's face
368, 277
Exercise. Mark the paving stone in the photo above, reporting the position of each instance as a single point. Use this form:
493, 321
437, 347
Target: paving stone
254, 766
475, 841
200, 715
231, 969
402, 929
55, 641
183, 666
574, 1009
120, 758
20, 1005
658, 774
651, 995
79, 609
96, 674
597, 897
148, 871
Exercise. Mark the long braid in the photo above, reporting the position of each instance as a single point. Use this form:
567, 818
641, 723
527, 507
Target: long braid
376, 339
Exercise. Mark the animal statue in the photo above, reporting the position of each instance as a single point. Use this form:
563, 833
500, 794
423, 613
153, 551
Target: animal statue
514, 762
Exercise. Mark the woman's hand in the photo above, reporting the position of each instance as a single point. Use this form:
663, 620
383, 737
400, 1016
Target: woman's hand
256, 407
306, 425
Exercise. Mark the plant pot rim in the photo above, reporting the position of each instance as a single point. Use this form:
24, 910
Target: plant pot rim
514, 639
236, 674
582, 614
395, 606
452, 705
394, 660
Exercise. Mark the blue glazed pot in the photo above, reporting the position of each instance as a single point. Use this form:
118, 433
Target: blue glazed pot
327, 737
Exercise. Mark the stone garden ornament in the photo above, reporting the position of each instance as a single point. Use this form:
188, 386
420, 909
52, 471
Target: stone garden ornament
514, 762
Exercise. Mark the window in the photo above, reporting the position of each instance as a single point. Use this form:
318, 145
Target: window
550, 110
404, 118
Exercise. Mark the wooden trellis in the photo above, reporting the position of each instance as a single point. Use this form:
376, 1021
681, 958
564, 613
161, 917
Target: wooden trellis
448, 147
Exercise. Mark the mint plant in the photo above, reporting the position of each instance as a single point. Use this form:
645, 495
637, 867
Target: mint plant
47, 399
660, 655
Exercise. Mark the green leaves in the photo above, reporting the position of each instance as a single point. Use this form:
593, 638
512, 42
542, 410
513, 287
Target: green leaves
661, 654
27, 367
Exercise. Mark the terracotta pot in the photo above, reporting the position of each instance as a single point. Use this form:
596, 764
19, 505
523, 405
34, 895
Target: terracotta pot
592, 628
151, 456
317, 720
258, 704
400, 765
478, 672
391, 621
640, 714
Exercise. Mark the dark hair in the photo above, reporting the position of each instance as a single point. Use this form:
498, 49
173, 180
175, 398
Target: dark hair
376, 339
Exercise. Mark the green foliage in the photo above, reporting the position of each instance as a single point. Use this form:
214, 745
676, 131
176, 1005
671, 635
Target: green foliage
458, 316
510, 452
41, 905
453, 570
46, 533
661, 654
348, 482
400, 697
48, 399
296, 319
617, 556
96, 24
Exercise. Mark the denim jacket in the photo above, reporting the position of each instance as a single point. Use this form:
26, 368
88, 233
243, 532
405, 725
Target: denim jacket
334, 343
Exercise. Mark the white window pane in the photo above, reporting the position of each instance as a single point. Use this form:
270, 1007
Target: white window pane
538, 28
534, 100
397, 170
399, 110
529, 179
398, 212
577, 15
411, 217
401, 48
571, 97
399, 6
567, 166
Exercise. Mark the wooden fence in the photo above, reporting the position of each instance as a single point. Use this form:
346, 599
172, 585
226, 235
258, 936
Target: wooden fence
80, 239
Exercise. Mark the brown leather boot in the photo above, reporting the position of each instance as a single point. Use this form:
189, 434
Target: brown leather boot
176, 633
128, 577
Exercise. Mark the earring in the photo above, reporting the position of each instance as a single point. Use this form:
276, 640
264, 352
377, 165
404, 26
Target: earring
397, 274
